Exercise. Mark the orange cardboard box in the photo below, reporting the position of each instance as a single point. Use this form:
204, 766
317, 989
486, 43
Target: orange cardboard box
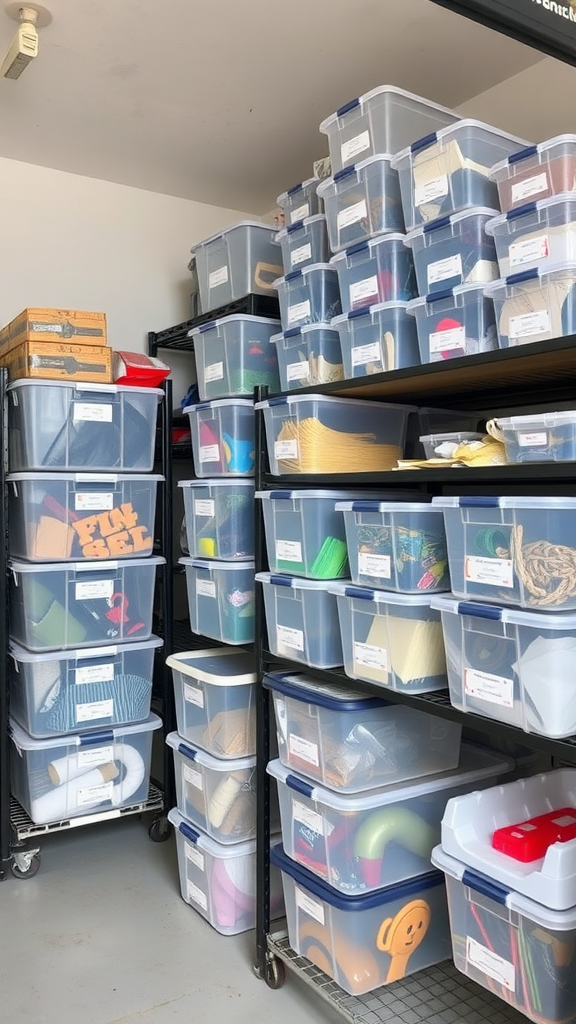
71, 326
89, 363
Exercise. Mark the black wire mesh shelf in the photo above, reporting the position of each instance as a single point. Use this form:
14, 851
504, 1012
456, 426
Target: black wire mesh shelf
177, 337
24, 828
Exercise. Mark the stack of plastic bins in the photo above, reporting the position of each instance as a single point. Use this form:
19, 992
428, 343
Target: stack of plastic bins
214, 758
82, 507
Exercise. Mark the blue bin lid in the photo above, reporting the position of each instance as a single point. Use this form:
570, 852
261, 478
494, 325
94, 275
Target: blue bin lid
310, 691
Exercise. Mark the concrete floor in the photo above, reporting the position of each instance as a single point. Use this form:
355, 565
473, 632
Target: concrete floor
101, 936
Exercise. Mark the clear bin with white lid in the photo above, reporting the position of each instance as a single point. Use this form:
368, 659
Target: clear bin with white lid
219, 882
361, 202
378, 270
215, 795
59, 692
367, 941
83, 773
222, 437
537, 172
236, 262
308, 355
383, 837
536, 236
517, 667
469, 823
350, 742
56, 425
443, 445
300, 201
234, 355
304, 242
219, 518
449, 170
308, 296
535, 305
67, 517
377, 338
454, 250
393, 640
515, 551
61, 606
322, 434
214, 696
454, 323
304, 533
539, 437
221, 599
301, 619
520, 950
383, 120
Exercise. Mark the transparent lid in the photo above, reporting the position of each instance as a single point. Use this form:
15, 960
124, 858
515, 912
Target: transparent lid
343, 177
78, 385
214, 566
278, 494
233, 227
452, 218
497, 289
218, 403
297, 226
564, 621
355, 592
205, 485
277, 579
492, 501
568, 198
361, 505
112, 734
219, 666
368, 311
505, 168
312, 268
382, 90
325, 399
86, 478
303, 186
99, 566
333, 696
380, 242
216, 764
294, 332
204, 842
467, 290
24, 657
538, 419
462, 124
213, 325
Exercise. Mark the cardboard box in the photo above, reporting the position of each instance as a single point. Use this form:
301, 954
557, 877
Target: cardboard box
89, 363
70, 326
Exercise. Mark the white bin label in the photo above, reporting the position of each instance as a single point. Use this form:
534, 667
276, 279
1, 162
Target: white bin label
528, 324
86, 502
351, 215
364, 354
298, 371
491, 964
299, 311
495, 689
492, 572
372, 657
218, 277
206, 588
306, 816
204, 507
195, 895
289, 550
292, 638
87, 795
88, 411
364, 290
523, 190
442, 270
193, 776
300, 213
374, 565
214, 372
532, 440
431, 190
304, 749
528, 250
286, 449
90, 589
209, 453
193, 695
311, 907
448, 341
354, 146
301, 254
94, 710
95, 673
195, 856
91, 758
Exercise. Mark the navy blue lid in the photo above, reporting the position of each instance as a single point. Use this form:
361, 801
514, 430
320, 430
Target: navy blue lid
91, 739
293, 275
296, 226
523, 154
359, 311
523, 275
293, 684
480, 611
446, 293
293, 332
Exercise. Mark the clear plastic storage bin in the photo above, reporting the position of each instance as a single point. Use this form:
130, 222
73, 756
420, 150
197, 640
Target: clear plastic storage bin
537, 172
240, 260
222, 437
308, 355
304, 242
85, 773
449, 170
350, 742
302, 620
539, 437
512, 666
535, 305
300, 201
321, 434
377, 338
60, 692
85, 428
394, 640
379, 270
364, 842
383, 120
221, 599
454, 250
363, 942
304, 533
67, 517
457, 322
518, 949
234, 355
538, 235
308, 296
396, 545
220, 881
219, 518
362, 201
215, 795
61, 606
514, 551
214, 696
443, 445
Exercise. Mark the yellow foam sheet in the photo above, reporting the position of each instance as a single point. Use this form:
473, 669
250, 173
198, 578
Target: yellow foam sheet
415, 648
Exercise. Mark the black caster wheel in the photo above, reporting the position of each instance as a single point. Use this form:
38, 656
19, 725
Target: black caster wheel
160, 829
275, 975
28, 872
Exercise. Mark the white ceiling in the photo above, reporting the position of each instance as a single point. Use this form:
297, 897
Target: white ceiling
220, 100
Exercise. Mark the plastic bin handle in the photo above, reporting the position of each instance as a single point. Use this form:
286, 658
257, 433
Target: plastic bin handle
359, 247
522, 275
281, 581
362, 592
299, 785
479, 611
365, 506
203, 405
92, 739
296, 226
441, 222
279, 400
210, 326
280, 495
447, 293
423, 143
355, 313
295, 188
187, 751
523, 154
189, 832
521, 211
293, 332
348, 107
486, 886
479, 501
345, 173
293, 275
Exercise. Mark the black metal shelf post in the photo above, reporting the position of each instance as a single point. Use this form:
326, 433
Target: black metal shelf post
5, 825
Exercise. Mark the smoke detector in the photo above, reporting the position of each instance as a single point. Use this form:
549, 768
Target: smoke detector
24, 46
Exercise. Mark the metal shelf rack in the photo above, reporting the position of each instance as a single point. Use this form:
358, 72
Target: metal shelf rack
176, 338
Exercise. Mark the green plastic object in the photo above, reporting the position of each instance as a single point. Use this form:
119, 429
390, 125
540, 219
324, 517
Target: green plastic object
331, 562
